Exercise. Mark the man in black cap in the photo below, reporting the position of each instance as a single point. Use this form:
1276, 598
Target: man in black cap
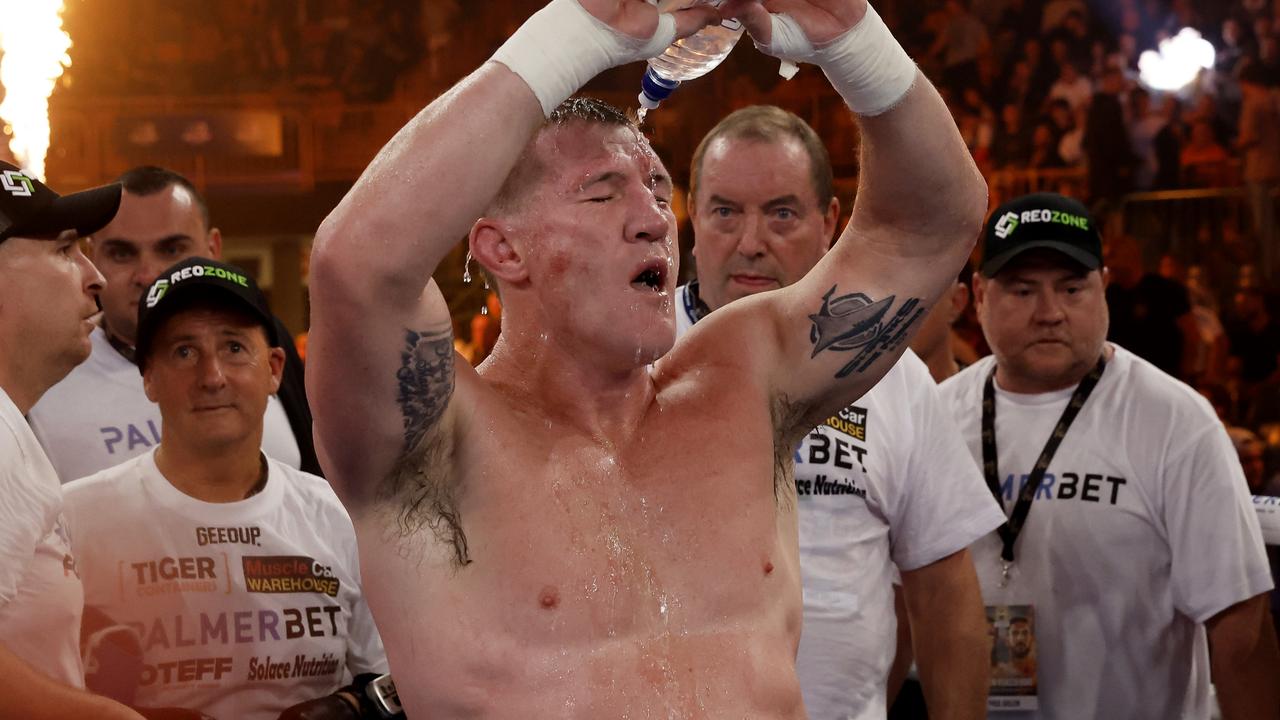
1140, 534
47, 290
98, 416
238, 571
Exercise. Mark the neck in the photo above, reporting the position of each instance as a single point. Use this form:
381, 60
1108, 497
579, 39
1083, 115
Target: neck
942, 364
117, 338
214, 475
1022, 384
568, 388
26, 382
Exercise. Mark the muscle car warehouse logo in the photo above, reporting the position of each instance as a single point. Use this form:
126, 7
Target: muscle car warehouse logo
288, 574
851, 421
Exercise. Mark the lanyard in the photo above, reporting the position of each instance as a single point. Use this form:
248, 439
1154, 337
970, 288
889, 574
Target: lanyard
1010, 530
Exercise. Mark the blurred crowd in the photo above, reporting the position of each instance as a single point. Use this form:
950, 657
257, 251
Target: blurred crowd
1055, 85
152, 47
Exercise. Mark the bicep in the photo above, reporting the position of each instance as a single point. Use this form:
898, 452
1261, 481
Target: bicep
380, 381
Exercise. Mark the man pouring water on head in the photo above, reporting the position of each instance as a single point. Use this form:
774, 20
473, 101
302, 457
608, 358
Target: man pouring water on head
565, 531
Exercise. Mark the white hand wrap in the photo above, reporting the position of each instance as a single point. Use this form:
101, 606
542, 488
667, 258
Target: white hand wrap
563, 46
866, 65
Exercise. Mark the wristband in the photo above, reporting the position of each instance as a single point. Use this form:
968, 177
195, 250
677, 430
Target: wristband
866, 65
562, 46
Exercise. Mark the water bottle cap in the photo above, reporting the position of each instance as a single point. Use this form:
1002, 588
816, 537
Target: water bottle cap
654, 89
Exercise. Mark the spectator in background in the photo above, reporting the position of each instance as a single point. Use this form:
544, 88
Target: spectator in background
1259, 141
1144, 125
1044, 149
1106, 140
959, 44
1072, 86
935, 341
1213, 348
1252, 452
1254, 336
1203, 159
1168, 146
1019, 90
1056, 13
1150, 315
1012, 148
1230, 51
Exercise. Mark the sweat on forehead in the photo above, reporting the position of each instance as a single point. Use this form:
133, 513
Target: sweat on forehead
572, 130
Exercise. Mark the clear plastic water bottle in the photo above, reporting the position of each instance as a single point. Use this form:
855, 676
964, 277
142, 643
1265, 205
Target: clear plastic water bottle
687, 58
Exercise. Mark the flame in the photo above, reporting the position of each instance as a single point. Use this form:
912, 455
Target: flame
1177, 63
35, 52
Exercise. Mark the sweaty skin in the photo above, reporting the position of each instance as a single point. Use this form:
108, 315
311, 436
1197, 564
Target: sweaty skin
566, 533
584, 590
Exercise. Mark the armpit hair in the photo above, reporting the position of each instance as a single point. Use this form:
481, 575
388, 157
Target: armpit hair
423, 489
785, 416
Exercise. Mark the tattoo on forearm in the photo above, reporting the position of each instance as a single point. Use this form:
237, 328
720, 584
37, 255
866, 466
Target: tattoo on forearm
855, 322
425, 381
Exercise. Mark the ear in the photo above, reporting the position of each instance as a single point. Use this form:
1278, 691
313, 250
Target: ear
829, 221
491, 246
691, 207
959, 301
1106, 276
215, 244
979, 291
146, 386
275, 360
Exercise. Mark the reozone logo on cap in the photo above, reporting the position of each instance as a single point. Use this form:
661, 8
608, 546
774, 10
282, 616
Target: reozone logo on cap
16, 184
156, 292
162, 286
1010, 220
1006, 224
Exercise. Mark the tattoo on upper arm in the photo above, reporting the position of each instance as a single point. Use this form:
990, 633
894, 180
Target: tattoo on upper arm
425, 380
421, 482
855, 322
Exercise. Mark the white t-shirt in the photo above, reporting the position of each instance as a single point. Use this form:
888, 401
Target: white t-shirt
887, 483
41, 598
1142, 530
99, 416
243, 608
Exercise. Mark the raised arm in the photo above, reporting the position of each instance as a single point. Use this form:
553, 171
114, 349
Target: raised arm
918, 211
382, 379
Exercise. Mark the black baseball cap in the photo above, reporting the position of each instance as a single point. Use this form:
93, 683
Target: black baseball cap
198, 278
1040, 220
28, 208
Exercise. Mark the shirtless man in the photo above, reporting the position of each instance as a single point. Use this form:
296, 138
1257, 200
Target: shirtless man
565, 532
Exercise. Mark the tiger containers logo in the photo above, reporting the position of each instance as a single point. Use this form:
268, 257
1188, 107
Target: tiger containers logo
288, 574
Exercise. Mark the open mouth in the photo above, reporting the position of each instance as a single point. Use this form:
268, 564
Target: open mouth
652, 277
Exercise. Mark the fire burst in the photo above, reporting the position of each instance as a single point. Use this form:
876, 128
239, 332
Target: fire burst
35, 52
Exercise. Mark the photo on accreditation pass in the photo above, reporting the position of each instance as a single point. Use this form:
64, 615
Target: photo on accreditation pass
1013, 657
